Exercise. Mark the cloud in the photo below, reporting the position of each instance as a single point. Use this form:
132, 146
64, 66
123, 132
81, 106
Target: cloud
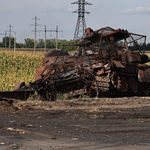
136, 11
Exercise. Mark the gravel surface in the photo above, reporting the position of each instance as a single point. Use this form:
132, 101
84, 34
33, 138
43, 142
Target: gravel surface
94, 123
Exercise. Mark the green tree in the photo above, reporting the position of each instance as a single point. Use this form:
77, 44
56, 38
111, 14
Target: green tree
50, 43
40, 43
7, 41
148, 46
67, 47
29, 43
2, 44
19, 45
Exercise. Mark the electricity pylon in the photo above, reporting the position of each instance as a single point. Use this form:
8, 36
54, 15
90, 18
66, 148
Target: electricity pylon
81, 24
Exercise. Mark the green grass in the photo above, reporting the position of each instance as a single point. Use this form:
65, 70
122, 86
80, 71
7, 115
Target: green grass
60, 96
18, 67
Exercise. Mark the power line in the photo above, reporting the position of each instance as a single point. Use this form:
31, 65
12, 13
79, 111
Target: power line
52, 31
35, 30
81, 25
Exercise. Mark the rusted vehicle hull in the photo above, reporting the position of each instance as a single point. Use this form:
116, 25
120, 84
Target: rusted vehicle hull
113, 70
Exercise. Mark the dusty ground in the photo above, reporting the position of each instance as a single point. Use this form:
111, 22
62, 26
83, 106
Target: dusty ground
79, 124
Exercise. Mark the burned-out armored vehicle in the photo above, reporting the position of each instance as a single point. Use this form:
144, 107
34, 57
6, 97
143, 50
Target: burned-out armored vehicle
118, 67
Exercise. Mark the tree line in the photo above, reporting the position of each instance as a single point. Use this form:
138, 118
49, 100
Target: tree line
140, 46
40, 43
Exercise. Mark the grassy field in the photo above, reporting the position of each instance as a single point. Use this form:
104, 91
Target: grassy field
18, 67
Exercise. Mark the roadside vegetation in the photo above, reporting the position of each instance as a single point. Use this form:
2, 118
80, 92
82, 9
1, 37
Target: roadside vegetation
18, 67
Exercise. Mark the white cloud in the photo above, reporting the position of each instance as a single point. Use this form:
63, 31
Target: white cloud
136, 11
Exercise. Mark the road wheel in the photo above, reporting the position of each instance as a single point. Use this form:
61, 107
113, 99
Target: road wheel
124, 84
133, 87
143, 87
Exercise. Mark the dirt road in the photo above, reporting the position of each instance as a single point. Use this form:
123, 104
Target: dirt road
79, 124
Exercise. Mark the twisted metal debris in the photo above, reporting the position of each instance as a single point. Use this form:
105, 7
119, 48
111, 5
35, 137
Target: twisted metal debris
114, 68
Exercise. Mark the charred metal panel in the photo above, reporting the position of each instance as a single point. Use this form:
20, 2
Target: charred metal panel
141, 76
39, 72
147, 75
148, 70
130, 68
124, 58
50, 60
144, 58
144, 74
98, 68
55, 52
89, 31
117, 64
16, 94
133, 57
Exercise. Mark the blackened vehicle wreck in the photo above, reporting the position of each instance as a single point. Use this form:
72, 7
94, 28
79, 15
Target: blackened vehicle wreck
114, 68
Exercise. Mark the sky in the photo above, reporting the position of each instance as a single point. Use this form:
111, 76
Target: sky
133, 15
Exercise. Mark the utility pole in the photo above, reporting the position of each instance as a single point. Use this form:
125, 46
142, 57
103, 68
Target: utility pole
10, 35
15, 42
45, 40
81, 24
56, 34
5, 39
52, 31
35, 30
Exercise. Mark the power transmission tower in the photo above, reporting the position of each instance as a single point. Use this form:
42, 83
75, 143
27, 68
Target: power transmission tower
35, 30
52, 31
81, 24
10, 26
